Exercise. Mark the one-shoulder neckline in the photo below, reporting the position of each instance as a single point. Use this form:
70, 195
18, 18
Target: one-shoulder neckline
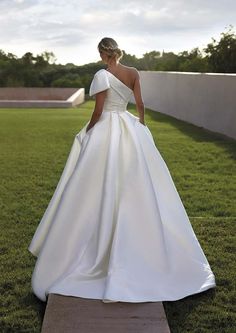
118, 80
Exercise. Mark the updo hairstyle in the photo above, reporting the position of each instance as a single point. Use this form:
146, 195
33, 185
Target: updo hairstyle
110, 47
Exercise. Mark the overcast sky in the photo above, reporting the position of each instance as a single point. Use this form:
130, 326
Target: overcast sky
71, 29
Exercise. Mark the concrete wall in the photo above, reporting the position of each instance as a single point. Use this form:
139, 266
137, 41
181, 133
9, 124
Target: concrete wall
25, 93
77, 98
203, 99
41, 97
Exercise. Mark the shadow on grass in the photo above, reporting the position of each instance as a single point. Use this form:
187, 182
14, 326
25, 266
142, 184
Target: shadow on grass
178, 312
198, 134
32, 301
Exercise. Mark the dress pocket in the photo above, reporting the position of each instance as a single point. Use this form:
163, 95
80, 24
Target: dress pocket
141, 124
88, 130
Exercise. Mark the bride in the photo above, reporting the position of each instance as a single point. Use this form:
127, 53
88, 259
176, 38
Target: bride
115, 228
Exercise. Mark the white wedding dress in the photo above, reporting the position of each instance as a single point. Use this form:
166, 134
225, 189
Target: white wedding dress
115, 228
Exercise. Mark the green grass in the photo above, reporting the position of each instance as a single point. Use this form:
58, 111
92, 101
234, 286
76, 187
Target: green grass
34, 146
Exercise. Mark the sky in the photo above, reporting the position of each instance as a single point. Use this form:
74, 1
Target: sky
72, 29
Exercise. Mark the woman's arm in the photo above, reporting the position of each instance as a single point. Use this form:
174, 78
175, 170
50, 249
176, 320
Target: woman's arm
138, 98
100, 98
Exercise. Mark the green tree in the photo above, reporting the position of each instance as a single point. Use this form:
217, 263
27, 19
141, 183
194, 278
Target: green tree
69, 80
129, 60
49, 57
221, 55
192, 61
149, 61
169, 61
28, 59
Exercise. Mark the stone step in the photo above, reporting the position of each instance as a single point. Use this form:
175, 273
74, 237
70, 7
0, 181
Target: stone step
67, 314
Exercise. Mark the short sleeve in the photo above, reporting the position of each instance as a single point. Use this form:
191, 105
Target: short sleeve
100, 82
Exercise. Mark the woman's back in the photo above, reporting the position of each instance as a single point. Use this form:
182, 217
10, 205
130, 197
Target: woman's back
117, 95
126, 74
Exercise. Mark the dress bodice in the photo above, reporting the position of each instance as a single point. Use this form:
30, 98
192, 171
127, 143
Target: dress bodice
118, 94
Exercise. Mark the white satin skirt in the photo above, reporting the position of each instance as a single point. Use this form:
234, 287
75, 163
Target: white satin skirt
116, 228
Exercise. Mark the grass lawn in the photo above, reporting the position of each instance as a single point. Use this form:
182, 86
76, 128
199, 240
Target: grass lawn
34, 146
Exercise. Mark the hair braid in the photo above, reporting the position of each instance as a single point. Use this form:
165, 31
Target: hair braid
110, 47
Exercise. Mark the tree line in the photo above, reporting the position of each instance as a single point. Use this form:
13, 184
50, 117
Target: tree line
42, 71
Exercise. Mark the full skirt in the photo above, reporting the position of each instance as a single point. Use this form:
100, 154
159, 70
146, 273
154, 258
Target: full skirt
116, 228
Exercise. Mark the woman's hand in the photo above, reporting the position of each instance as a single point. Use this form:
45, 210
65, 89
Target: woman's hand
88, 128
142, 122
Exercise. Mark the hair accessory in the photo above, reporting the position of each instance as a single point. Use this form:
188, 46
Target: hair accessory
108, 47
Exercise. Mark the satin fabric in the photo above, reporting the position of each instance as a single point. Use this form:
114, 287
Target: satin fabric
116, 228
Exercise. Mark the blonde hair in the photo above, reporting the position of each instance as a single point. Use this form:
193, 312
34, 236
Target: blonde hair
110, 47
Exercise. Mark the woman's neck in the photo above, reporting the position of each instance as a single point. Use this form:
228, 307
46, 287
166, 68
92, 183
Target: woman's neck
113, 66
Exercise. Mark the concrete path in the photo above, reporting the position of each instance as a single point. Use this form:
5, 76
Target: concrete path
66, 314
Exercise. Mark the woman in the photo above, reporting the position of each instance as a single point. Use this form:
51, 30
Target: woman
115, 228
110, 55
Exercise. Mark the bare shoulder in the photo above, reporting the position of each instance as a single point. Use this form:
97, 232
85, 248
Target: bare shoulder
131, 71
